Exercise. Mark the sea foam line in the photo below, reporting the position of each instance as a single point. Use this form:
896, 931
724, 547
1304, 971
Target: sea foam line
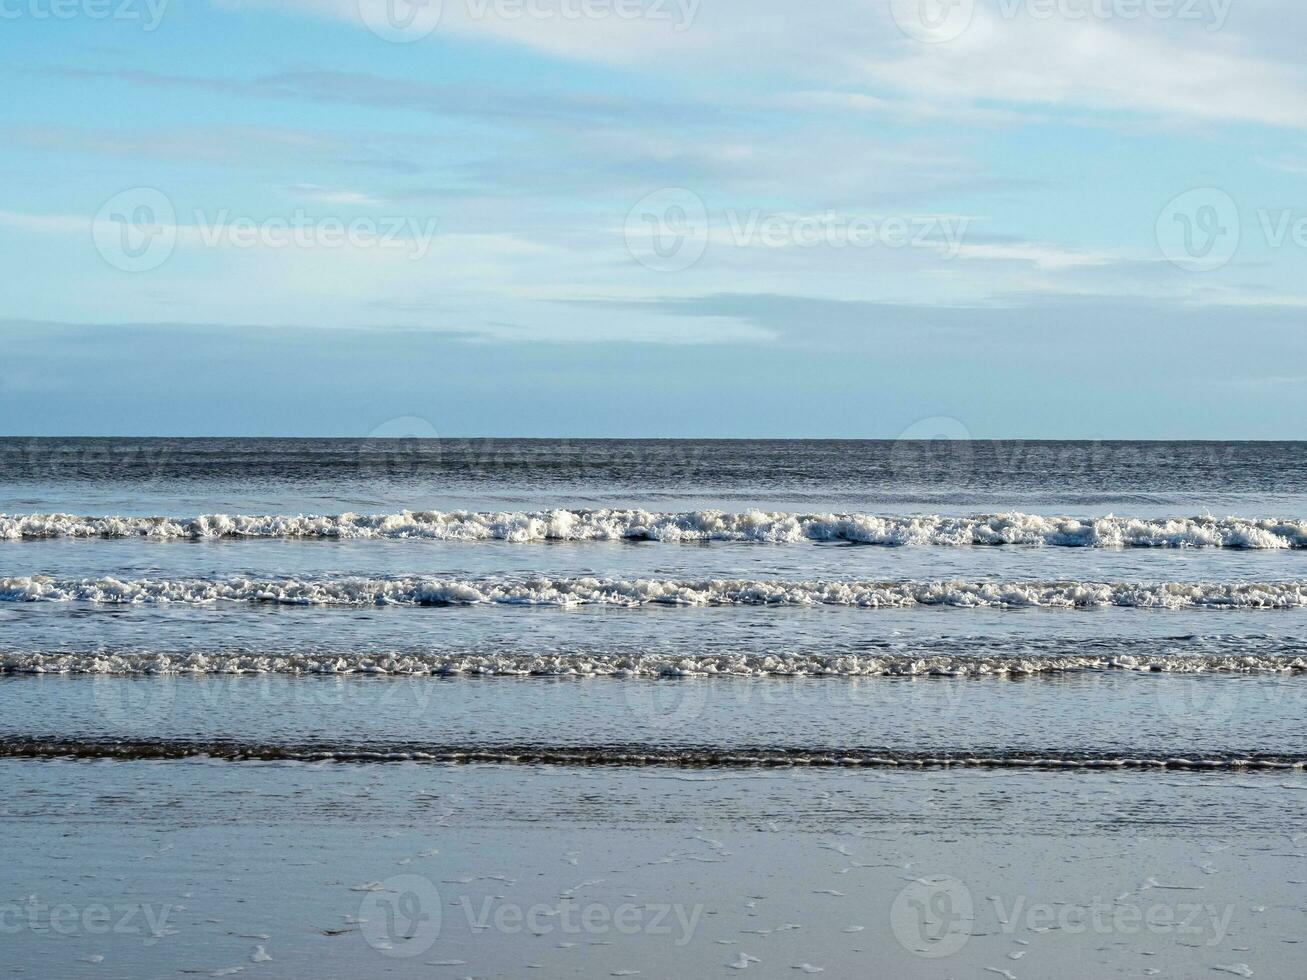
598, 664
630, 593
755, 526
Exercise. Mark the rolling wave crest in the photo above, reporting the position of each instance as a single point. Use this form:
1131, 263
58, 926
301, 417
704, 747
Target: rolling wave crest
694, 526
546, 591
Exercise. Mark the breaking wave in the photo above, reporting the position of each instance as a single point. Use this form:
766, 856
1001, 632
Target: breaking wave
706, 525
544, 591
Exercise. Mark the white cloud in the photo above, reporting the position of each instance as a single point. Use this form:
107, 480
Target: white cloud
1173, 67
1041, 255
1098, 65
330, 195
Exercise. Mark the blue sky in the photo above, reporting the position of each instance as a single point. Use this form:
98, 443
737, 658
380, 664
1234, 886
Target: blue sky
1023, 218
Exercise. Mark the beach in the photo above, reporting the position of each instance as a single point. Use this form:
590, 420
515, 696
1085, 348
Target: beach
408, 870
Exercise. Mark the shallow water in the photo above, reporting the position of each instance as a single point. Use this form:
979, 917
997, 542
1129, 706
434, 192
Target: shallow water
760, 562
1097, 719
1032, 668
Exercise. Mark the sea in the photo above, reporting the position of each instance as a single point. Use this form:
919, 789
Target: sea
257, 683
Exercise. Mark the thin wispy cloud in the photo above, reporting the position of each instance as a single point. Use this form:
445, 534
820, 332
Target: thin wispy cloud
601, 182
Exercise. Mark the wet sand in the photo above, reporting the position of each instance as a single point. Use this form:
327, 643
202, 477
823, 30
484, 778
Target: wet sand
293, 870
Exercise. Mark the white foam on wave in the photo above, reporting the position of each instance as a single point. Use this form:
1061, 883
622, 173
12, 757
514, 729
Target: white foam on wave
706, 525
599, 664
545, 591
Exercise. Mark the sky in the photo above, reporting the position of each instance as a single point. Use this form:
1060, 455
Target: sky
694, 218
